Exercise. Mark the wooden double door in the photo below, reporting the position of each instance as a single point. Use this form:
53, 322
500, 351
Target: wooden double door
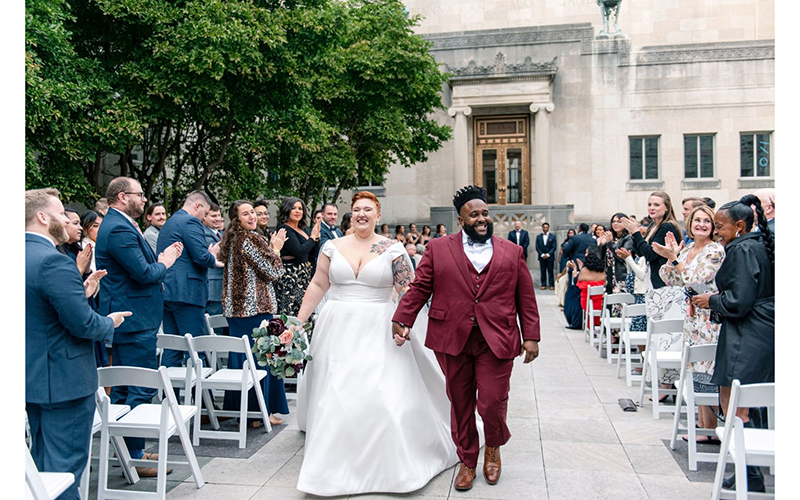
502, 159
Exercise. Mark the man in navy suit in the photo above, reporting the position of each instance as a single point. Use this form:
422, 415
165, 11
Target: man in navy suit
60, 371
327, 228
134, 283
577, 245
212, 231
186, 283
546, 249
520, 237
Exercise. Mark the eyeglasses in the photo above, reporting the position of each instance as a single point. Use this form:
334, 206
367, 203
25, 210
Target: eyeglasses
140, 194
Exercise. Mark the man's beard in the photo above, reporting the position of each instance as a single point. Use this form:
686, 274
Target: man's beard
472, 233
133, 210
57, 230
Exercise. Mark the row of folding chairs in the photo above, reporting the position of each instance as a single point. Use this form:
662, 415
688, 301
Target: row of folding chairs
739, 445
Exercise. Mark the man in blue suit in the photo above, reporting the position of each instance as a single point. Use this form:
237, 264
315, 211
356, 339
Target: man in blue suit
134, 283
212, 231
520, 237
577, 245
327, 228
60, 371
546, 250
186, 283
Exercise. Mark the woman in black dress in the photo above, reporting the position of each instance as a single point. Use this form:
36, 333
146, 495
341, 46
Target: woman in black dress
296, 252
746, 304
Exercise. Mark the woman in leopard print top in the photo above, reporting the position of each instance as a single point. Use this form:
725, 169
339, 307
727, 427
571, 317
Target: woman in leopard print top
248, 297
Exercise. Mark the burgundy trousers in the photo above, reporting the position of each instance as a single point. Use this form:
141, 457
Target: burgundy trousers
477, 370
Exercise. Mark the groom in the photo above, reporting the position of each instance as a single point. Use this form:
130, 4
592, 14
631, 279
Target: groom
480, 285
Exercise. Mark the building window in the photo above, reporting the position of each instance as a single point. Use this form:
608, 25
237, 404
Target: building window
755, 154
698, 156
644, 158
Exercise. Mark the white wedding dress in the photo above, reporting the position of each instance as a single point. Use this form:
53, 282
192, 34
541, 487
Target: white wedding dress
376, 416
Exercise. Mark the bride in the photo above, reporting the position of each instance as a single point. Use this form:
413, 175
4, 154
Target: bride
376, 416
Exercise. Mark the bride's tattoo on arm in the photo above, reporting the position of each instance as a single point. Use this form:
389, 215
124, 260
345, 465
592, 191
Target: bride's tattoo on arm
381, 246
402, 271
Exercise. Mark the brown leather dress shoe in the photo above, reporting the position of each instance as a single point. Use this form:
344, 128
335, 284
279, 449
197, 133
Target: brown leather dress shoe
544, 288
464, 478
491, 464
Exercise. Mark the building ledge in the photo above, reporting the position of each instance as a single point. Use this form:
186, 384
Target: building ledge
648, 185
700, 184
756, 182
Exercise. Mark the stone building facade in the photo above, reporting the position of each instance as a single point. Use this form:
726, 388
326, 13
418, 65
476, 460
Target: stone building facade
563, 124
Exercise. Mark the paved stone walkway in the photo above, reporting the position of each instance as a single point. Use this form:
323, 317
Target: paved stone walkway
570, 439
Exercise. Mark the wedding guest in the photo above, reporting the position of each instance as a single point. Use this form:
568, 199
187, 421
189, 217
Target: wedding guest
520, 237
425, 237
213, 235
591, 273
385, 231
262, 218
746, 304
688, 205
71, 248
155, 217
411, 249
598, 231
90, 224
400, 233
616, 270
296, 252
412, 236
663, 301
563, 260
767, 198
697, 264
546, 252
327, 228
711, 203
441, 230
252, 267
347, 224
101, 206
577, 245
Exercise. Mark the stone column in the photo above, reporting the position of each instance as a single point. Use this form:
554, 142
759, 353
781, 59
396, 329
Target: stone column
461, 146
541, 137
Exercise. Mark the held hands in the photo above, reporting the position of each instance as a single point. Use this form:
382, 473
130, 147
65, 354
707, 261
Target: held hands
171, 254
530, 348
401, 333
84, 258
278, 239
93, 281
119, 317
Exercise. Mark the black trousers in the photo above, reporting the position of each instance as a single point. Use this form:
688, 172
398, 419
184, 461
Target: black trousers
546, 270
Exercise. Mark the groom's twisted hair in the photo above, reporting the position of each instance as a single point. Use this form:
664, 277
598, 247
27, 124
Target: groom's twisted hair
466, 194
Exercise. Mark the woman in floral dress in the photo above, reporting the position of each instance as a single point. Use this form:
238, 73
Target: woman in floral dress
697, 265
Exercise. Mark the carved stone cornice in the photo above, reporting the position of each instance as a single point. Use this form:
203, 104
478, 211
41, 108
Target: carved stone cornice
701, 52
501, 71
511, 36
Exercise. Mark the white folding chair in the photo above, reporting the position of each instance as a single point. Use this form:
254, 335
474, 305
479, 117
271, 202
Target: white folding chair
159, 421
212, 322
44, 485
181, 377
630, 340
608, 323
115, 412
655, 359
230, 379
591, 331
743, 447
687, 396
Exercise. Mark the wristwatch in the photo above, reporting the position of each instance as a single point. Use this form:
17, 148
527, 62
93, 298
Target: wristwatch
674, 263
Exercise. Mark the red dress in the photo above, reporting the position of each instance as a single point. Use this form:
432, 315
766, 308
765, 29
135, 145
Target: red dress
597, 300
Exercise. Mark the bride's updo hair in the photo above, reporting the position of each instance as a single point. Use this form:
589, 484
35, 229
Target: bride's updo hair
365, 195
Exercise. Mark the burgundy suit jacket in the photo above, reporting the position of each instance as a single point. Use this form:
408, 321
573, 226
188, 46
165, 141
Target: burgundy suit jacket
505, 293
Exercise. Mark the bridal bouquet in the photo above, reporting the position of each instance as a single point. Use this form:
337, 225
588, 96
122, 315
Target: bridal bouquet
279, 347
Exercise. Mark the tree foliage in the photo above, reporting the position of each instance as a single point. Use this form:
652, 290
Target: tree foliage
242, 98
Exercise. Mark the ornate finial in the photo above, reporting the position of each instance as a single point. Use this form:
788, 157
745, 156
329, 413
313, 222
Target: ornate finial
610, 7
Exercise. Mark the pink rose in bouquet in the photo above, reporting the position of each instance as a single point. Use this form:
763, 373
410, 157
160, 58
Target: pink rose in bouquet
286, 337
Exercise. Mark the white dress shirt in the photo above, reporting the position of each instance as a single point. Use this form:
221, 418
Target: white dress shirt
478, 253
